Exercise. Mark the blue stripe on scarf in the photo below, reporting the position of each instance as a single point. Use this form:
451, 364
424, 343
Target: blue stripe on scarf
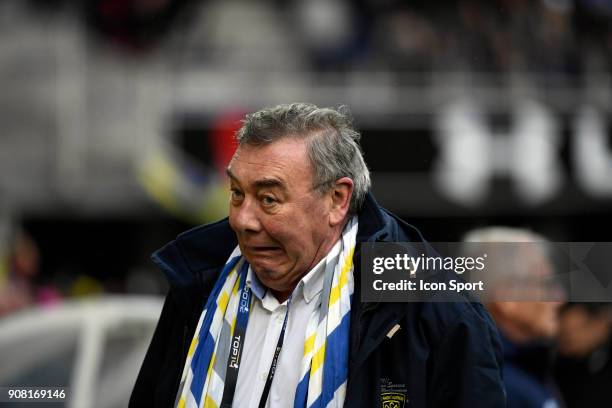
203, 354
335, 369
199, 364
301, 392
317, 402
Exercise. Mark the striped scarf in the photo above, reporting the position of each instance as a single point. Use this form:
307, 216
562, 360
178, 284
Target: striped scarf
324, 367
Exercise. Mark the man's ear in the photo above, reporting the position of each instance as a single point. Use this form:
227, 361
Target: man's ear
341, 194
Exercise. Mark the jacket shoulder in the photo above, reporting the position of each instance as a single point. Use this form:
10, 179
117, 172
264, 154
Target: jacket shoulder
441, 317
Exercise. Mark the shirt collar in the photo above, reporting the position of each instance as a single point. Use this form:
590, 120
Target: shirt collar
253, 282
312, 283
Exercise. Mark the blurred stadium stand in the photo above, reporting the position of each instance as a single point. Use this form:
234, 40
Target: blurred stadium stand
120, 113
116, 119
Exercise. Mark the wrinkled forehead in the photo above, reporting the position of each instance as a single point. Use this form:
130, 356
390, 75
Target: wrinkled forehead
285, 160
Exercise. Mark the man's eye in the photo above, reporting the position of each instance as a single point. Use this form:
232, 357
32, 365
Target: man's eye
268, 200
236, 195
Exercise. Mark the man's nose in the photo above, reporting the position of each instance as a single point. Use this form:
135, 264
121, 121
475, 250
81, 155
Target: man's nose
244, 217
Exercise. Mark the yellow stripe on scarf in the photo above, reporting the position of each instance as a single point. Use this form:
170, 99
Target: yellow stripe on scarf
192, 347
335, 292
317, 359
235, 294
223, 300
211, 365
309, 343
224, 297
209, 402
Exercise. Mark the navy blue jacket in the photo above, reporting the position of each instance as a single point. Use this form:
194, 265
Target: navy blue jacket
528, 375
443, 355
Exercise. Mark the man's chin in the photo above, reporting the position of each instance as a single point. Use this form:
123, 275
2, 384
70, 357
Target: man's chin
269, 277
264, 271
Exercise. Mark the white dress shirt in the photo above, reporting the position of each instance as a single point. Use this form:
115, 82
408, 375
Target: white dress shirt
262, 334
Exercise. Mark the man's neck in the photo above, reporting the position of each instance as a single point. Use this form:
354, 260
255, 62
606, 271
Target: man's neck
281, 297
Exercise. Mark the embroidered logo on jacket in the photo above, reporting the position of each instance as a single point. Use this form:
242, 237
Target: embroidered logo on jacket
392, 395
392, 400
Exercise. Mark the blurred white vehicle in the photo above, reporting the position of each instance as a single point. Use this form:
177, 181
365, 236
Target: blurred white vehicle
95, 347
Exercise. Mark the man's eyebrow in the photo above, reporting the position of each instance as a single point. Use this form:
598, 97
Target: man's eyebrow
269, 183
261, 183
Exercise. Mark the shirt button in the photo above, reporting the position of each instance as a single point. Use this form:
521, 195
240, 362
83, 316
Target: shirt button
264, 376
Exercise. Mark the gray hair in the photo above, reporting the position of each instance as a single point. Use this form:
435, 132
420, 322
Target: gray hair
333, 142
502, 234
513, 260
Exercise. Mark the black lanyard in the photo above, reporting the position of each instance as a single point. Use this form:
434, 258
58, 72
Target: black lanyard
279, 346
235, 354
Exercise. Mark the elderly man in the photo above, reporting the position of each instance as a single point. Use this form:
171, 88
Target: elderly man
528, 319
264, 307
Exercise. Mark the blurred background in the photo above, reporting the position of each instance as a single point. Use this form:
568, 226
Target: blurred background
117, 117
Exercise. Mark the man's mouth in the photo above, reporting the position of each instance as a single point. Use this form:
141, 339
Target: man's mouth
263, 249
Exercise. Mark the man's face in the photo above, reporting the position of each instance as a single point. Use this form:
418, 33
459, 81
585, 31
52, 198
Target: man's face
530, 319
282, 224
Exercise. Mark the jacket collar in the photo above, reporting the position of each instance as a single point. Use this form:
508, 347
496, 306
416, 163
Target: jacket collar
196, 251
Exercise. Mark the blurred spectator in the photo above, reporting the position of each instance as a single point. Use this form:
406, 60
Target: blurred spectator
527, 327
593, 25
17, 287
134, 24
554, 39
584, 366
404, 41
331, 31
